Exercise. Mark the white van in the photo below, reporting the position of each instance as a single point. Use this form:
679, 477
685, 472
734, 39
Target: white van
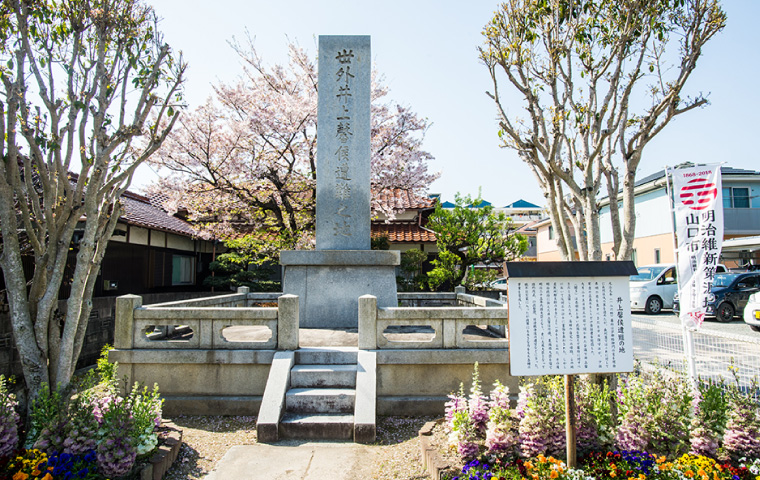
653, 288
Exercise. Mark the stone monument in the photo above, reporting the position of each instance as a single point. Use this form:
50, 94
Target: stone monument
330, 279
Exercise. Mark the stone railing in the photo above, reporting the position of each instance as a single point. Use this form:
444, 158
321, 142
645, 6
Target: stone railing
217, 323
478, 323
242, 298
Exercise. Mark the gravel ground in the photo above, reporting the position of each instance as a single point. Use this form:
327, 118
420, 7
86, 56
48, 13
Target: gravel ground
395, 455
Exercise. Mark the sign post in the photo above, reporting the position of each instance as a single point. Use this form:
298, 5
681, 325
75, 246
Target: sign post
567, 318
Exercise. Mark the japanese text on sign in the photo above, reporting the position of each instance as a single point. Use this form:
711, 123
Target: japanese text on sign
568, 325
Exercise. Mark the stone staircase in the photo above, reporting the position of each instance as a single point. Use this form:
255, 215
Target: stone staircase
320, 393
320, 401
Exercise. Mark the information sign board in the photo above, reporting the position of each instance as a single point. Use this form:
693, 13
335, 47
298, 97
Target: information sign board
569, 317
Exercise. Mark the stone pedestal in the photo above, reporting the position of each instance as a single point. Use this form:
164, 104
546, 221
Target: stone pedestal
329, 283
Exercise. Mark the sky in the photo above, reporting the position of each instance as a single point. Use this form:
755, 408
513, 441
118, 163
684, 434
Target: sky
427, 52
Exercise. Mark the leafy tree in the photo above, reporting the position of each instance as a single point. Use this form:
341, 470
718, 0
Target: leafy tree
246, 160
598, 81
87, 86
412, 278
242, 266
468, 234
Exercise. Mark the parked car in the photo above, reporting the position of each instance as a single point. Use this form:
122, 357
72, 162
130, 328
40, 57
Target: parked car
653, 288
729, 295
752, 312
498, 284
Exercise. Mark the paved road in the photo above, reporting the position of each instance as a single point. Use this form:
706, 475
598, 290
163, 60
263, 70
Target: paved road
735, 327
718, 345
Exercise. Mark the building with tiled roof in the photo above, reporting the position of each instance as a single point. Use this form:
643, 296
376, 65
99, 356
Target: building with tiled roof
153, 251
407, 230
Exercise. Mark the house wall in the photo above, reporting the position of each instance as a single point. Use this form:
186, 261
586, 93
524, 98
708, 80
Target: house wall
653, 216
645, 249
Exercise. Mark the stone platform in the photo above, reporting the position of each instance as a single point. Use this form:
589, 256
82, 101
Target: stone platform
329, 283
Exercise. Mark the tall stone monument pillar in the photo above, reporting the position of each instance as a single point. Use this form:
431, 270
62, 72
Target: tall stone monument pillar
330, 279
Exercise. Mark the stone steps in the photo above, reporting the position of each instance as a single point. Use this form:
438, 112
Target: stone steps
327, 356
317, 426
323, 376
320, 400
316, 395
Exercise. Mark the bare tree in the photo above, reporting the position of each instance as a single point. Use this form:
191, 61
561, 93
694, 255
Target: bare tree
598, 80
89, 87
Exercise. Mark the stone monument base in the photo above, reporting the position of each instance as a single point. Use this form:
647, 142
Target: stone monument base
329, 283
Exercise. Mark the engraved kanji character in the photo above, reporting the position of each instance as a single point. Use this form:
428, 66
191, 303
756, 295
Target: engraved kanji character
344, 73
342, 228
343, 191
343, 93
342, 153
343, 131
341, 173
345, 56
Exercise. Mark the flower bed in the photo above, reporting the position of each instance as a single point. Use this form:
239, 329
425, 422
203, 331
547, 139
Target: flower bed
652, 425
87, 431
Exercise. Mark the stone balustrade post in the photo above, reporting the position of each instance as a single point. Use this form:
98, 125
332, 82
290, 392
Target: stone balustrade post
288, 319
243, 291
460, 290
367, 322
125, 320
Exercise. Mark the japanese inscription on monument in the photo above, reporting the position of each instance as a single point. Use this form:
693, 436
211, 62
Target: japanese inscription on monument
569, 324
343, 143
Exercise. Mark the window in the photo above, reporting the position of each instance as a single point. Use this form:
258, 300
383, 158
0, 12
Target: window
183, 270
668, 278
633, 257
656, 255
735, 197
551, 232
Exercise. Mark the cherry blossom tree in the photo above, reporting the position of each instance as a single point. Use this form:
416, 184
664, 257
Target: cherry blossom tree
244, 163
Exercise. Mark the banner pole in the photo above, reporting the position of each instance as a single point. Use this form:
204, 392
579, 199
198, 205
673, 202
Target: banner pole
688, 335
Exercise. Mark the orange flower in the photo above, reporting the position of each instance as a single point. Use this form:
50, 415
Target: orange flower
613, 474
541, 458
553, 474
47, 477
20, 476
688, 473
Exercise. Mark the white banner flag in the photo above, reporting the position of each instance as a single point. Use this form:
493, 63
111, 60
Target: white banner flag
698, 207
